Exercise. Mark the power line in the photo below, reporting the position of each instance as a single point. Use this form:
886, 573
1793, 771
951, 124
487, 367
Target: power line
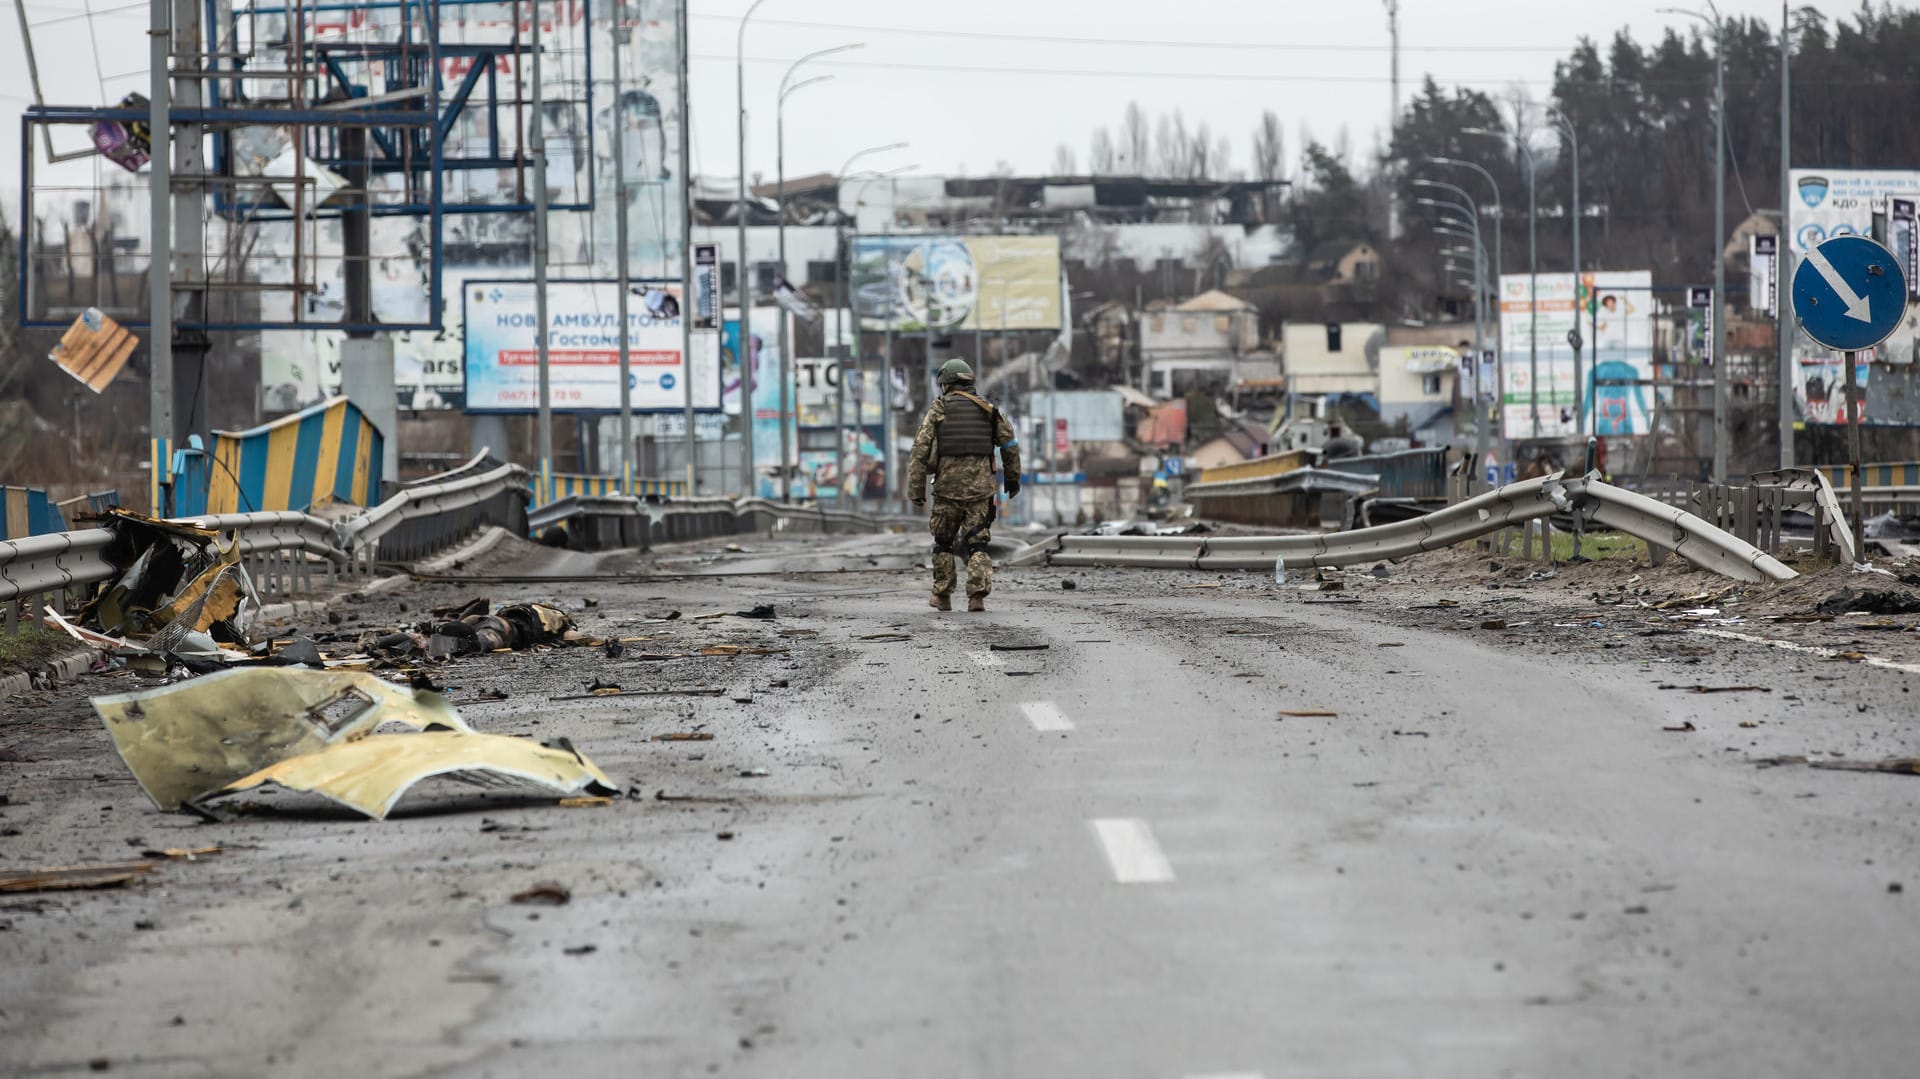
1216, 76
1051, 39
1229, 76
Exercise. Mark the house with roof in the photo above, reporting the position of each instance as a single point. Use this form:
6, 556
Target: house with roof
1210, 342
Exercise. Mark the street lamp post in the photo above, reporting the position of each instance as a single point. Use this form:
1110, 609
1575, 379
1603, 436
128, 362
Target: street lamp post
743, 271
1533, 271
1483, 434
788, 87
1579, 384
1466, 206
1719, 343
841, 261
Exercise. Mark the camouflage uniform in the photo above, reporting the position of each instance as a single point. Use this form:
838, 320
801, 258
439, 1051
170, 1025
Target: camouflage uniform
964, 489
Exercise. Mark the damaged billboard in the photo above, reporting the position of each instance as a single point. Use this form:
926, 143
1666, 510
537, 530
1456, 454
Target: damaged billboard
964, 283
1827, 203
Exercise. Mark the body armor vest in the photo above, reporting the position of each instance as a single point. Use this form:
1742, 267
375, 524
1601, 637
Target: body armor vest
967, 429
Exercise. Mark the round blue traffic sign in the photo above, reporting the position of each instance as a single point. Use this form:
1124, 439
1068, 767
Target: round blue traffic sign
1849, 293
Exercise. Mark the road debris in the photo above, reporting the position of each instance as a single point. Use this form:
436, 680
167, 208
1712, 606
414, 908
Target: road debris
1310, 713
1895, 765
684, 736
371, 774
1717, 689
65, 878
1683, 728
546, 893
191, 738
1868, 601
1018, 647
606, 690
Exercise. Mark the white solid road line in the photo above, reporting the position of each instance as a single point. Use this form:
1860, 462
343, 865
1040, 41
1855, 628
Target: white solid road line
1046, 716
985, 659
1810, 649
1131, 851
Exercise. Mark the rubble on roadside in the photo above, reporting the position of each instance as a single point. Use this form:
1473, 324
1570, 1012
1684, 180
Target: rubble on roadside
177, 590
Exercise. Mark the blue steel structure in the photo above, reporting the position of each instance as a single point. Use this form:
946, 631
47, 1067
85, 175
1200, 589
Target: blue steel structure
406, 120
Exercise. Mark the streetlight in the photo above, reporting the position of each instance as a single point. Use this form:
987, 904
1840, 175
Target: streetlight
1719, 345
1533, 272
840, 305
787, 87
1483, 423
1579, 384
743, 275
890, 478
1470, 215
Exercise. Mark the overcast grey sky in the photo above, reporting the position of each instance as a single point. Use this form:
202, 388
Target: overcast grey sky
967, 99
1323, 64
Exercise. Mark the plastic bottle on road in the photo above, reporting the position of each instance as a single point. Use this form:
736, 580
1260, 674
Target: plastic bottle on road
1280, 569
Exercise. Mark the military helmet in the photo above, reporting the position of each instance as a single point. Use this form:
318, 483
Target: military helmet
955, 371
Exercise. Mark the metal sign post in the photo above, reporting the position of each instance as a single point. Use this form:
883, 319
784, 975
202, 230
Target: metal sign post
1849, 294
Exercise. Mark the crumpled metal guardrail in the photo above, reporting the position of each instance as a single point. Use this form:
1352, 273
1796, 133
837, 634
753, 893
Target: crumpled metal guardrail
445, 506
1668, 527
692, 518
363, 532
49, 563
274, 530
1814, 484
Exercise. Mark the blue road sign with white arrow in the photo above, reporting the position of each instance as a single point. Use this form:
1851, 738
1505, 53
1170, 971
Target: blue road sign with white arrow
1849, 293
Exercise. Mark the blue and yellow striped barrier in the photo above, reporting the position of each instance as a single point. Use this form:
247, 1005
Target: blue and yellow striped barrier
328, 451
1896, 474
572, 484
26, 511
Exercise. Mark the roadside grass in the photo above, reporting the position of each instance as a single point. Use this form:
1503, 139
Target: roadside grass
1599, 546
32, 646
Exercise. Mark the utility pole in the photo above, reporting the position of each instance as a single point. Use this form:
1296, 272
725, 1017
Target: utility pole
1783, 266
622, 37
889, 471
743, 275
1719, 345
1533, 292
160, 259
539, 144
686, 255
1393, 37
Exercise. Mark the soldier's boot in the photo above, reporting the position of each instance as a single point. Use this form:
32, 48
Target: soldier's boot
976, 603
940, 601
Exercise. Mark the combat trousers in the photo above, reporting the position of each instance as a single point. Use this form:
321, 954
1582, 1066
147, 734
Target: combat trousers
974, 521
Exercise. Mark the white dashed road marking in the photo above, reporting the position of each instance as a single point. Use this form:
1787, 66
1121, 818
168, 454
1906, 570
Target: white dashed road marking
1046, 716
1132, 851
985, 659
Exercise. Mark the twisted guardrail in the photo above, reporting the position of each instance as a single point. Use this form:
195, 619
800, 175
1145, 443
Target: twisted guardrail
1600, 503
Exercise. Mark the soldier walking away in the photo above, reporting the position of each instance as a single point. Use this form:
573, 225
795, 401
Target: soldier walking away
955, 446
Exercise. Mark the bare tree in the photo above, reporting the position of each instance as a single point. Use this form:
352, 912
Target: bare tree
1269, 148
1222, 158
1200, 162
1063, 161
1172, 147
1133, 139
1101, 154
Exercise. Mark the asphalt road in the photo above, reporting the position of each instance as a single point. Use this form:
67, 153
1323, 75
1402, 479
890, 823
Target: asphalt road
1103, 853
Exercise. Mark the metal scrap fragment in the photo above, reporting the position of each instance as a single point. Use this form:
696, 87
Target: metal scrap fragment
369, 775
192, 738
63, 878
